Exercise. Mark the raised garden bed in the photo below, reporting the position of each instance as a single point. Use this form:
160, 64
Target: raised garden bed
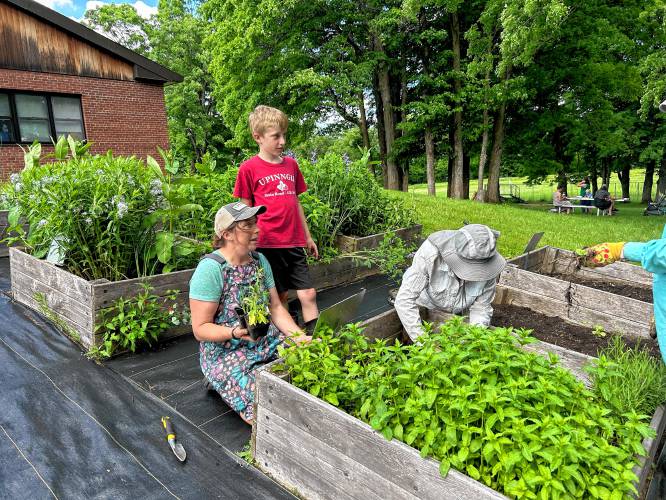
78, 302
535, 281
350, 244
322, 452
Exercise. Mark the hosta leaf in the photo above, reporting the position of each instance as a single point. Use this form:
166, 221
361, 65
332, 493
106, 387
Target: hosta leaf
164, 244
388, 433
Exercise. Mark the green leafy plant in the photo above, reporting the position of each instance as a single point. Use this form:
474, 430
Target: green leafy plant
137, 321
111, 217
598, 331
392, 256
628, 379
358, 205
474, 400
254, 300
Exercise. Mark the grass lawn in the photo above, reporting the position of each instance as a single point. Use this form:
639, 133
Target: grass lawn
544, 191
517, 223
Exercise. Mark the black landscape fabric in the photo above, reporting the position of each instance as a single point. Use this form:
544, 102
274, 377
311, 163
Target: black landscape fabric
70, 428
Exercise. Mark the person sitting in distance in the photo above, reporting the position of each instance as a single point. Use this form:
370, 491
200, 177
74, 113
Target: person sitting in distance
452, 271
561, 201
603, 200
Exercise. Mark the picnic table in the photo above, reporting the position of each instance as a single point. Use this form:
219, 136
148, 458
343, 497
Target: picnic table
584, 208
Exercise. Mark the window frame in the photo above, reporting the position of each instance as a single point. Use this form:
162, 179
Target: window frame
11, 93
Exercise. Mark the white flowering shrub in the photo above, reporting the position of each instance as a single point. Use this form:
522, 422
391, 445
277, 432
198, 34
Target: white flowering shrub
113, 217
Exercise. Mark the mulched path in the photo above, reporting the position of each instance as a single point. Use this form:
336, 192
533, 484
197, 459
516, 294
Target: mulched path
556, 331
633, 292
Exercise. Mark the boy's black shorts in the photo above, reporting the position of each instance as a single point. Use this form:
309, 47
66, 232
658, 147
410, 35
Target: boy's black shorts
290, 268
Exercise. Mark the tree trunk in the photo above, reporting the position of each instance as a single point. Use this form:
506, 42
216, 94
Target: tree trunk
449, 159
466, 162
430, 160
623, 176
363, 121
593, 175
493, 195
661, 183
457, 189
648, 182
483, 157
605, 171
381, 135
393, 180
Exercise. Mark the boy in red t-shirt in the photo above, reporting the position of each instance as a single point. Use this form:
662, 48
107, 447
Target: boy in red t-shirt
275, 181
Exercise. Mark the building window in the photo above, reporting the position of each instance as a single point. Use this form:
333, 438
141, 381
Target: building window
25, 117
6, 122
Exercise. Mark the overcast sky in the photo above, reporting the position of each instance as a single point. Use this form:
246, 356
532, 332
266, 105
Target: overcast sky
76, 8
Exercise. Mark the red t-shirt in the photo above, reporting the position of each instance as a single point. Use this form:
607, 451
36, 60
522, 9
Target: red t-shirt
277, 186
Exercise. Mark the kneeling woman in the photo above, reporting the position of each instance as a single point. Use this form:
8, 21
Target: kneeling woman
227, 353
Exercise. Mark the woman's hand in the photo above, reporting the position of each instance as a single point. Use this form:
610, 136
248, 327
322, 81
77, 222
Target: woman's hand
603, 254
239, 333
299, 338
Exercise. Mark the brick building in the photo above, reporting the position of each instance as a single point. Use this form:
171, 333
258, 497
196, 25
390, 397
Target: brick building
58, 77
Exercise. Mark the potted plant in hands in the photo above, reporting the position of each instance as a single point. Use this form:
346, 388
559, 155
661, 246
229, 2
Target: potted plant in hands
253, 312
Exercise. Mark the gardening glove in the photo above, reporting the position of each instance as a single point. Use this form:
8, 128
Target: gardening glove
603, 254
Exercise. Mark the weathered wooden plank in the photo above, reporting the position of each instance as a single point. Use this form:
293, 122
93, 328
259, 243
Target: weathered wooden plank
534, 283
651, 445
356, 243
530, 261
49, 274
565, 263
620, 272
573, 361
384, 325
611, 303
104, 294
338, 272
331, 474
397, 462
59, 302
84, 333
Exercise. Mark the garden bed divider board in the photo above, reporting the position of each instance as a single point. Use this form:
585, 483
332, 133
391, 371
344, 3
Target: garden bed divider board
553, 260
575, 303
349, 244
340, 271
78, 302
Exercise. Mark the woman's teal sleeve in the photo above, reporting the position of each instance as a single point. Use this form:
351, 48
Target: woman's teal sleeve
269, 281
206, 282
651, 255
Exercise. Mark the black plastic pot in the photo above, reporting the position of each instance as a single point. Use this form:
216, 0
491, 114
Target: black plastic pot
255, 331
259, 330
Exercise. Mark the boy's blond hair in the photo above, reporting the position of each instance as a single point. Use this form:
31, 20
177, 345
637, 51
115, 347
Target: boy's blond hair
264, 116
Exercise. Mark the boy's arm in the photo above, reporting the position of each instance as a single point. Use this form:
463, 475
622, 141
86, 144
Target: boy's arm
247, 201
310, 243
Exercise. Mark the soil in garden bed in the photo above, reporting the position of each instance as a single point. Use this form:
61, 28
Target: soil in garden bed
556, 331
633, 292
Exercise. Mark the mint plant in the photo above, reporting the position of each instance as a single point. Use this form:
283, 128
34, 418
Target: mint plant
472, 399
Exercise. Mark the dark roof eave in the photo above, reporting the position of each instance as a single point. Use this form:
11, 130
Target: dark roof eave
153, 71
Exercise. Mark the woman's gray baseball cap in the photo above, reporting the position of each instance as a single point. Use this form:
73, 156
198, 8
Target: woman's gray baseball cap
234, 212
475, 257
